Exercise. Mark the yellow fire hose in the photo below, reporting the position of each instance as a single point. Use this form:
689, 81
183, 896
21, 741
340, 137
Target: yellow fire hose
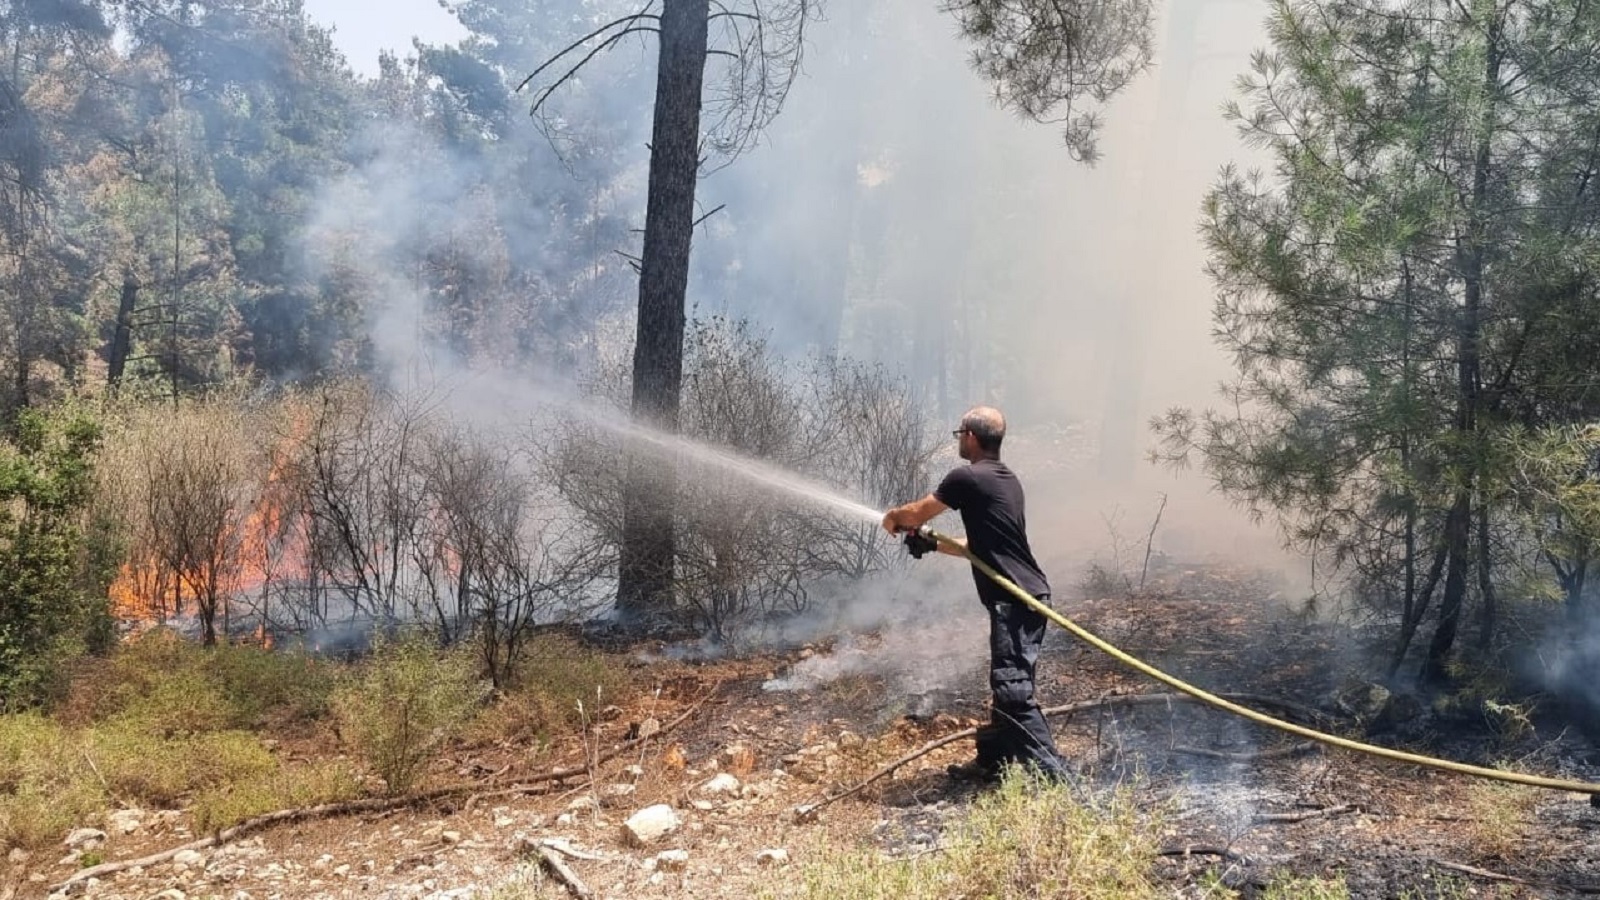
1204, 696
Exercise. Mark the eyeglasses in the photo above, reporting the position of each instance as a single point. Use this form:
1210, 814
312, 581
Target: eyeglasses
959, 432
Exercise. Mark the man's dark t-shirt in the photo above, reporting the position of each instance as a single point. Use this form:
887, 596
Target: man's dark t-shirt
989, 498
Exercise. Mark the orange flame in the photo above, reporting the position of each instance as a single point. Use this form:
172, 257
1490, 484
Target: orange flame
268, 546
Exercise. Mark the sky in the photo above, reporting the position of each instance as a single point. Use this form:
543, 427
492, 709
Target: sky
361, 32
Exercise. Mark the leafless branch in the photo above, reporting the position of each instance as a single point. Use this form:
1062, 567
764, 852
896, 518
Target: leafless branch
539, 101
583, 40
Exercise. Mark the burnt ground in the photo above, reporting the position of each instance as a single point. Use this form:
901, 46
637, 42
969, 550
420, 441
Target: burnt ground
1392, 830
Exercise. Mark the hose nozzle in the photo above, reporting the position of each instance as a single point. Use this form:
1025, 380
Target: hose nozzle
919, 542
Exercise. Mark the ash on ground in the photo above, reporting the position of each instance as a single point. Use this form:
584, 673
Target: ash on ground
923, 666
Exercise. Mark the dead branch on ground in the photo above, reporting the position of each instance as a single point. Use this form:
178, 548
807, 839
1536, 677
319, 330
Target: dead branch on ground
369, 805
1226, 853
1512, 879
809, 811
1254, 756
562, 872
1303, 815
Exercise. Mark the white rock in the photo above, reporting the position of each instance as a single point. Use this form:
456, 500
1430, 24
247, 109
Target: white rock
504, 821
342, 871
722, 784
450, 837
774, 857
580, 804
188, 858
71, 859
703, 805
672, 860
648, 728
635, 771
126, 821
618, 790
171, 894
18, 855
85, 838
650, 824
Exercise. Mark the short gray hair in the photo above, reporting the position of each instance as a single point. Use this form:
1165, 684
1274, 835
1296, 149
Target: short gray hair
987, 425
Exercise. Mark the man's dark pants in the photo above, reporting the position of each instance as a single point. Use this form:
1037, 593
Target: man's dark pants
1017, 731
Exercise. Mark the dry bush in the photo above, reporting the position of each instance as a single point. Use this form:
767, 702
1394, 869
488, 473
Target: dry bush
1497, 818
409, 516
357, 482
880, 446
748, 551
184, 483
497, 559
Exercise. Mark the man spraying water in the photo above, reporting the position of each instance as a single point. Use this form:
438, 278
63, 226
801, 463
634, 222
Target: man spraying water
989, 497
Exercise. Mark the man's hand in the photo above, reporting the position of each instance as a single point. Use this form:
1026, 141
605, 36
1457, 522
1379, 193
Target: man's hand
912, 515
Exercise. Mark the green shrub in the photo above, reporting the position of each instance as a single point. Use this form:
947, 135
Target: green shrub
46, 785
555, 674
262, 684
185, 702
1027, 838
53, 605
228, 805
176, 686
35, 817
404, 704
140, 767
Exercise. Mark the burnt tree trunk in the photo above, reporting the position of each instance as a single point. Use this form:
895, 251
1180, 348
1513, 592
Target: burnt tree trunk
122, 335
1488, 611
1414, 612
648, 543
1457, 529
1470, 258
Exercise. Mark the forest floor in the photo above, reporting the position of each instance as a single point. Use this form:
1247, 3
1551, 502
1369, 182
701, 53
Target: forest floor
1246, 818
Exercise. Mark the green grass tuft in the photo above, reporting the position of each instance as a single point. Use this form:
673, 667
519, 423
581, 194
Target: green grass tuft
1025, 839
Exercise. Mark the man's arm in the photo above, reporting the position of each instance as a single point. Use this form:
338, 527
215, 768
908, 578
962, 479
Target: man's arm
913, 515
